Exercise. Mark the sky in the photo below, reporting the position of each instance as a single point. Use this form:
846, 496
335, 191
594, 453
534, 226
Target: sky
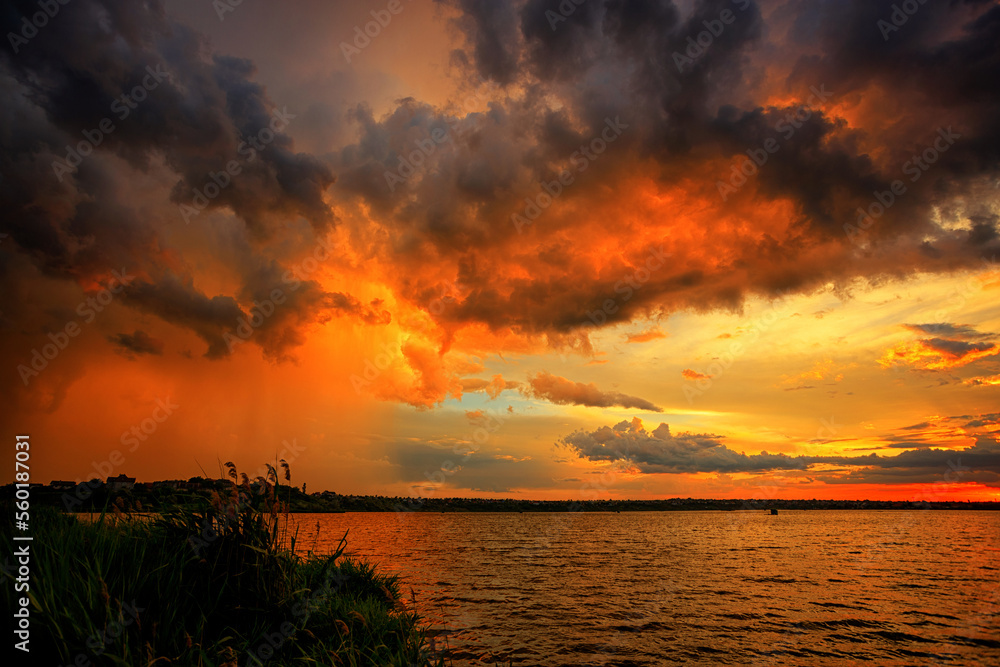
545, 250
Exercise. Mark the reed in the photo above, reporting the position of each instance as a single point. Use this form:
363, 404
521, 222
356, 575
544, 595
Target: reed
209, 585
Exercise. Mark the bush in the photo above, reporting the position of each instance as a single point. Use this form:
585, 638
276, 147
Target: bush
206, 585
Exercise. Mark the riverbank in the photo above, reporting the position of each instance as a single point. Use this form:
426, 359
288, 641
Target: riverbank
205, 587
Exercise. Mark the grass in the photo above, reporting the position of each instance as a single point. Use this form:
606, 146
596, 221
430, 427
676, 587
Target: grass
209, 586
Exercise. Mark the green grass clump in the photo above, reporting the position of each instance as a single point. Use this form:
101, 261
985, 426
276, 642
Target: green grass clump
206, 586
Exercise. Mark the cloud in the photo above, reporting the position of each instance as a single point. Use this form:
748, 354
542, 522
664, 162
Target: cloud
178, 302
653, 333
136, 343
492, 387
660, 451
939, 430
566, 392
498, 384
784, 232
937, 354
915, 427
198, 112
948, 330
491, 27
695, 375
349, 305
546, 99
981, 421
983, 381
963, 345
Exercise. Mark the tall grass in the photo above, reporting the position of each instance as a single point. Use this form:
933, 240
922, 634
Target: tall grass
206, 586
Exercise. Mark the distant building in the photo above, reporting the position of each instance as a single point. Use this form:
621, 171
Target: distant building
61, 485
120, 482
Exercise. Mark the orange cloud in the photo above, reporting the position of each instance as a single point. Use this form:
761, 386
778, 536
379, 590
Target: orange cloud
984, 381
566, 392
653, 333
937, 354
695, 375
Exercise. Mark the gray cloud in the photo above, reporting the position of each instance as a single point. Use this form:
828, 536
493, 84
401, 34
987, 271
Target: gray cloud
661, 451
948, 330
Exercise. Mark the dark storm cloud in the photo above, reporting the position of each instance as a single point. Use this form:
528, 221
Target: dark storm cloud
491, 28
437, 186
197, 110
565, 76
137, 343
277, 312
285, 304
177, 301
198, 113
984, 229
662, 451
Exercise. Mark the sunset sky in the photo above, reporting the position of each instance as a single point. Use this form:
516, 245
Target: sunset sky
602, 248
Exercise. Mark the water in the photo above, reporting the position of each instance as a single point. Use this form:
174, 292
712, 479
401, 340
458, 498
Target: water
708, 588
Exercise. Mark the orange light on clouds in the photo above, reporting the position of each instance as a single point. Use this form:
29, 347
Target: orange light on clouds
923, 354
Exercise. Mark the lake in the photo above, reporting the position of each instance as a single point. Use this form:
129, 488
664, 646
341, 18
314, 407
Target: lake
711, 588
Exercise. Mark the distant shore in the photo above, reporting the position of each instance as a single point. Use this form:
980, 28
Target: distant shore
93, 496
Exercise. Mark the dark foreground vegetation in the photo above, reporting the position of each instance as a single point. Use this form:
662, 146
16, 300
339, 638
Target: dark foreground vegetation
206, 584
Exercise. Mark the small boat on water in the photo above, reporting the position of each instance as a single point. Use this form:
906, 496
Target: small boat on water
773, 511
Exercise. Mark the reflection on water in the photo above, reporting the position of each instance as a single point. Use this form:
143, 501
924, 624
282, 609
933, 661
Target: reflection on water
726, 588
